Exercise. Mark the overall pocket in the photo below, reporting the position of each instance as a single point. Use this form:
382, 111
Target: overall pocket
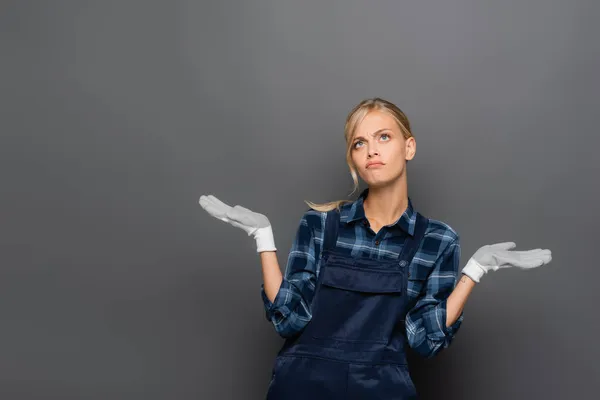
361, 305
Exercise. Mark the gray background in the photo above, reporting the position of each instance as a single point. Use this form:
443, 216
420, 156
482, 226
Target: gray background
115, 116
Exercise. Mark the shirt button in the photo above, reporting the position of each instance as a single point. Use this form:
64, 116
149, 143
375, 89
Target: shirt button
365, 222
377, 243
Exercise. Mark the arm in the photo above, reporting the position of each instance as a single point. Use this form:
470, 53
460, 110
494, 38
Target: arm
435, 318
490, 258
287, 298
433, 322
457, 299
271, 272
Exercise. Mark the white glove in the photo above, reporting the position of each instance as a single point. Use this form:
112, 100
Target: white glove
254, 224
496, 256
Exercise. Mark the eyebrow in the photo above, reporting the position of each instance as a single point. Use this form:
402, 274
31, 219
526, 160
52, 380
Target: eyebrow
373, 134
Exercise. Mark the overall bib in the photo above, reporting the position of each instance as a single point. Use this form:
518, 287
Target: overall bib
354, 345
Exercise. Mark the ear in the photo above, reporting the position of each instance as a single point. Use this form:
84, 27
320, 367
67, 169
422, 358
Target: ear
410, 148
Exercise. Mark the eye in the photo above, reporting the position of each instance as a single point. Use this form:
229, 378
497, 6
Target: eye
386, 135
355, 145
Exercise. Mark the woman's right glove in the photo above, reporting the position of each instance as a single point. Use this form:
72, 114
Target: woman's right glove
254, 224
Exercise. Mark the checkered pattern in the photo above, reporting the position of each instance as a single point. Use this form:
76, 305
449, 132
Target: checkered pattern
432, 274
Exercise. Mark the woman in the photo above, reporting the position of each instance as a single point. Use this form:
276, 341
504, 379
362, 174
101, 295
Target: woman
365, 278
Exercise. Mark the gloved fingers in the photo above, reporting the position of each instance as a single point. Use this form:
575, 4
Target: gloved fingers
534, 253
542, 254
203, 200
243, 216
218, 203
214, 207
215, 211
243, 209
503, 246
525, 252
521, 262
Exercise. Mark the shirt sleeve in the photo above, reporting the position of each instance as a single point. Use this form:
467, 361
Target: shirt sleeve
426, 322
290, 311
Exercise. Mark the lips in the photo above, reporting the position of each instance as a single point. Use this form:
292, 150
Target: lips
375, 164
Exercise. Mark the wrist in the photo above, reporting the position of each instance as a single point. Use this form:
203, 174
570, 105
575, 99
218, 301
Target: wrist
474, 270
467, 280
264, 239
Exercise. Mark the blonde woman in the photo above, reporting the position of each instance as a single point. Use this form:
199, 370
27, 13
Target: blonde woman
366, 278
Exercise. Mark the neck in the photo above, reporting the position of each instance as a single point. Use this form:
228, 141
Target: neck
386, 204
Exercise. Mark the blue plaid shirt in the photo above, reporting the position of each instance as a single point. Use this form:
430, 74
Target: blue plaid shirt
432, 274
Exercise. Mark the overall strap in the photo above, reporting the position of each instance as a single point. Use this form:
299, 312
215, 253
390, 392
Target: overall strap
411, 245
331, 229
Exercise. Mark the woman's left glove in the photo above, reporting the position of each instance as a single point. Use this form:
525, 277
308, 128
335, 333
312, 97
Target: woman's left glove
254, 224
493, 257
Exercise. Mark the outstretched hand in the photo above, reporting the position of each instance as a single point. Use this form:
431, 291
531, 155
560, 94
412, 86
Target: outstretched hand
254, 224
497, 256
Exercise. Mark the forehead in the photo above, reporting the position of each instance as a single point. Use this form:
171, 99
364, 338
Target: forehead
374, 121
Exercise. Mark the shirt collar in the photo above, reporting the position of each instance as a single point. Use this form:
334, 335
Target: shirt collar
355, 211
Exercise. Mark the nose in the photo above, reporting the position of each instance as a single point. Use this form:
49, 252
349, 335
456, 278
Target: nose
372, 152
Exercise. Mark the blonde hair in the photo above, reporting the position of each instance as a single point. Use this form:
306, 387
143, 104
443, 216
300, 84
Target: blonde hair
355, 117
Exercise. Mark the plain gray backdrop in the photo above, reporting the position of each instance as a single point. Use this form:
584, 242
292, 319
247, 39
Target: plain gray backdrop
115, 116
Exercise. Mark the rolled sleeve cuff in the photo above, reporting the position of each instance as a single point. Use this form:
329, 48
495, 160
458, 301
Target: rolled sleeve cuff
435, 321
278, 309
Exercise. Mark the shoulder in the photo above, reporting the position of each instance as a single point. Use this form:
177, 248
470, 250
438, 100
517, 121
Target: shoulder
313, 220
442, 234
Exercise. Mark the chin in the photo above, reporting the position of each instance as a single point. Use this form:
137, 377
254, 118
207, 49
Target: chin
381, 181
375, 183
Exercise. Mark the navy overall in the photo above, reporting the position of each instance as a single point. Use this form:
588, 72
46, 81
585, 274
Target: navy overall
354, 345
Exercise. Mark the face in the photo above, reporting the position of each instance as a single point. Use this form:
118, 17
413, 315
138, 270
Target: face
379, 150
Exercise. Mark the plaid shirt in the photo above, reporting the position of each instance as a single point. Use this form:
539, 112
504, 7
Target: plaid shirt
432, 274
